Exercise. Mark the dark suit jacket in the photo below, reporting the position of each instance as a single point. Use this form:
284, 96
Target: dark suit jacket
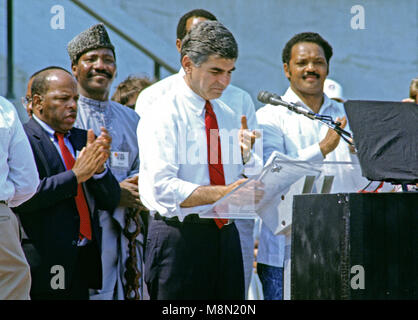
50, 218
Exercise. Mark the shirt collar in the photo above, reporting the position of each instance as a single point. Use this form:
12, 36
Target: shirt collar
47, 128
291, 96
94, 103
197, 104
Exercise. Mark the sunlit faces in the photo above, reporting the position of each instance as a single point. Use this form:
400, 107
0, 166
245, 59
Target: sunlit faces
209, 79
58, 106
307, 69
95, 71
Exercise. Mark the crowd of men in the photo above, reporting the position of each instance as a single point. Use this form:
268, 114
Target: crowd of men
104, 194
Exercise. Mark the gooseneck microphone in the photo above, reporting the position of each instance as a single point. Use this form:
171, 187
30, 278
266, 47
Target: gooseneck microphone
274, 99
268, 97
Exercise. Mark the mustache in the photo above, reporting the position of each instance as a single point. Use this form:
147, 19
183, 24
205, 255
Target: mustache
311, 74
99, 72
72, 113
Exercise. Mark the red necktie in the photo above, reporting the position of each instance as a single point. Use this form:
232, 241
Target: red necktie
216, 169
80, 200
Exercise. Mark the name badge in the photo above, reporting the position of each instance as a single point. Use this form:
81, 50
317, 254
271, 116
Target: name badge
119, 159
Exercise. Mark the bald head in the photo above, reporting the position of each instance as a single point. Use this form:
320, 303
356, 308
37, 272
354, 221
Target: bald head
54, 99
40, 80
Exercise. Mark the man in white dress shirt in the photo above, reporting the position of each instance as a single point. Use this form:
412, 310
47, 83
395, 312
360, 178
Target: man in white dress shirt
18, 182
240, 102
306, 65
188, 257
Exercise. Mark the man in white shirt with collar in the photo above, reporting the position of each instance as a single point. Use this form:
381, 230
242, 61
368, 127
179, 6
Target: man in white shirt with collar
240, 102
188, 257
18, 182
306, 65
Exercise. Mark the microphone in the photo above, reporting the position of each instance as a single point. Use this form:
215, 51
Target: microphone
276, 100
269, 98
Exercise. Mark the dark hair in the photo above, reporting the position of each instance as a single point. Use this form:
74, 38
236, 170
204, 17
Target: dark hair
40, 83
129, 87
198, 13
306, 37
206, 39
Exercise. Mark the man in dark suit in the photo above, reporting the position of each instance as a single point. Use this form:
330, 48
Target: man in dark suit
60, 220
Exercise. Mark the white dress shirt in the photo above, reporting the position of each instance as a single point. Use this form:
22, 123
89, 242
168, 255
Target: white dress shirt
173, 149
299, 137
19, 177
237, 99
242, 104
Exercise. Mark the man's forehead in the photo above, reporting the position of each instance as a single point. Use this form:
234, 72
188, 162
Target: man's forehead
307, 48
216, 62
98, 51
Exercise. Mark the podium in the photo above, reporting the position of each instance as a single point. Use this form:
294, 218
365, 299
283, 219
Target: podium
355, 246
280, 180
343, 245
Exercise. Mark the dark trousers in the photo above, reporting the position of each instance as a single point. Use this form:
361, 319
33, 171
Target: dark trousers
194, 261
86, 274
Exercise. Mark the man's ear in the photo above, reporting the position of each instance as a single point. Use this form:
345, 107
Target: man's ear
187, 64
286, 70
178, 45
37, 104
74, 70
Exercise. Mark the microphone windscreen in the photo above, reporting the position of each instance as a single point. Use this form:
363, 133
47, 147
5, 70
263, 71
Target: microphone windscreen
264, 96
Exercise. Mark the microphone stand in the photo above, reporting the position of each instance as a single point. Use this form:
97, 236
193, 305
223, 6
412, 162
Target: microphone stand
327, 120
